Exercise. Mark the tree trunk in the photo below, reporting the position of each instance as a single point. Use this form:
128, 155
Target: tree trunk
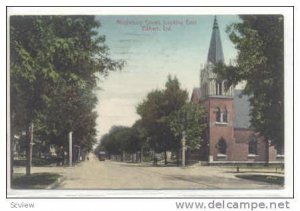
154, 159
70, 148
142, 154
11, 158
123, 156
29, 150
177, 157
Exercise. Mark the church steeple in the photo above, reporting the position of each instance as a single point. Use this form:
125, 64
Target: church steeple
210, 85
215, 53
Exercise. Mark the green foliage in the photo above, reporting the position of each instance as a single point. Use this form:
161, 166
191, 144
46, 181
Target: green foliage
154, 110
54, 65
190, 119
119, 139
113, 142
260, 62
165, 115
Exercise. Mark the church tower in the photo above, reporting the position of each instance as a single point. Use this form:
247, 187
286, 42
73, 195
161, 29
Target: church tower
217, 99
209, 84
229, 136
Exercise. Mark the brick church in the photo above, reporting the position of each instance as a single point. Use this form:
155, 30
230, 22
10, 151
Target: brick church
229, 137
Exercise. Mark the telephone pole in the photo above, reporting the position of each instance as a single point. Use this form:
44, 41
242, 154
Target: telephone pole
183, 148
70, 149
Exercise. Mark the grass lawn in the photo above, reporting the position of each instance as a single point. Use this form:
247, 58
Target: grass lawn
278, 180
34, 181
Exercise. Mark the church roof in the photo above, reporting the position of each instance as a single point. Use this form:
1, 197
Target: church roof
241, 107
215, 53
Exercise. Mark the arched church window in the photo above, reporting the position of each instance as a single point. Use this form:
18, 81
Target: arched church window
218, 115
253, 145
222, 146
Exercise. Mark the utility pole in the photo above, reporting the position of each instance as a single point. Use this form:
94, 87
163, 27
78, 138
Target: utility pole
183, 141
70, 148
29, 151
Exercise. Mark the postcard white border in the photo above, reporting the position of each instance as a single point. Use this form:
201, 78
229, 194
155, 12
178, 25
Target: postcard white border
287, 12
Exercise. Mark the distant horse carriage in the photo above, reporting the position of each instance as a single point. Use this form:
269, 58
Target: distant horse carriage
101, 155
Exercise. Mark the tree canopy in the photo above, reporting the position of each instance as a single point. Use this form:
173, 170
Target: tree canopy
122, 139
55, 62
190, 118
154, 110
260, 63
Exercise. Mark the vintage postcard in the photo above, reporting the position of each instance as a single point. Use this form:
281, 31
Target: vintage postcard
150, 102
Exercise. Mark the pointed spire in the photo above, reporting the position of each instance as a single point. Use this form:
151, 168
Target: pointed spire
215, 53
215, 23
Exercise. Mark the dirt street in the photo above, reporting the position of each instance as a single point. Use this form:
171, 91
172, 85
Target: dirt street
95, 174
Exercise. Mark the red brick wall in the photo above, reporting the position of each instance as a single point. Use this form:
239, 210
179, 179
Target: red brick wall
241, 147
218, 131
242, 137
236, 139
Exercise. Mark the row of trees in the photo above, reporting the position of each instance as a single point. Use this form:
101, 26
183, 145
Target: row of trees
165, 114
55, 62
121, 139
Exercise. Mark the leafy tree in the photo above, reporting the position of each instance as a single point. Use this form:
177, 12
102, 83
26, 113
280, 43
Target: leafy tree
158, 105
189, 119
54, 65
137, 138
260, 62
113, 142
123, 139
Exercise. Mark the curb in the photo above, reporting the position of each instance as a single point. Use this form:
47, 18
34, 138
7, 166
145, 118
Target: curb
56, 183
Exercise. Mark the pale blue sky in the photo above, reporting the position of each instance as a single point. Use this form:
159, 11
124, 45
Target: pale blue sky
150, 56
